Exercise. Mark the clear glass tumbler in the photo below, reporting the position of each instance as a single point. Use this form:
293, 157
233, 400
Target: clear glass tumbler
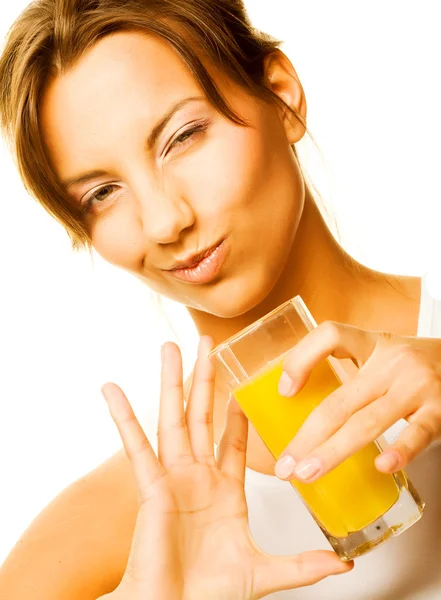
356, 506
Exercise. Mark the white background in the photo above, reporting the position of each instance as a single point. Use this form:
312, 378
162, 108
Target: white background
371, 75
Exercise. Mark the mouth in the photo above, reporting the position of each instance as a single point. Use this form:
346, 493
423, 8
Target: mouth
201, 268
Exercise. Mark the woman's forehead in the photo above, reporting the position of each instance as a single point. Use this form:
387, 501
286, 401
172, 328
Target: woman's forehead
116, 66
124, 78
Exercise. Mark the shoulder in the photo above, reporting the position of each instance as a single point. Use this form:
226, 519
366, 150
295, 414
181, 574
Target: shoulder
78, 545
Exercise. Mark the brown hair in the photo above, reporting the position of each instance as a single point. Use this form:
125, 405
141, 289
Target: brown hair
50, 35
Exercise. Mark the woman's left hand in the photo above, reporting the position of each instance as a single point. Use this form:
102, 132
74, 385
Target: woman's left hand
398, 378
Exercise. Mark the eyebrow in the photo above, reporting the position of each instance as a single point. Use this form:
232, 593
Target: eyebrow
151, 141
158, 128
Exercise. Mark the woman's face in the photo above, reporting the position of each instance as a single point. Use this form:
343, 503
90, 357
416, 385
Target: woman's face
157, 196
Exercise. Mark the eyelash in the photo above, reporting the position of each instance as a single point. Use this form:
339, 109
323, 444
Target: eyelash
87, 206
200, 127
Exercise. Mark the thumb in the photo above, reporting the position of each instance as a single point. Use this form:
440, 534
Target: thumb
328, 339
276, 573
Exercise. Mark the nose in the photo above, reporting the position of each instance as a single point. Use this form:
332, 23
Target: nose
164, 215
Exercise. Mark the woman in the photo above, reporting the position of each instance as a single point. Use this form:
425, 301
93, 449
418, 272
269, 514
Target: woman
163, 134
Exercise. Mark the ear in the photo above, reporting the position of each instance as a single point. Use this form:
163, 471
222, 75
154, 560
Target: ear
282, 79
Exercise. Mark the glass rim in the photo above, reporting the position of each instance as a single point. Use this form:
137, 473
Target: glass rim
256, 324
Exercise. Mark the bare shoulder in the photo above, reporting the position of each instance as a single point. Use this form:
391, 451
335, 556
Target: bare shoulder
77, 547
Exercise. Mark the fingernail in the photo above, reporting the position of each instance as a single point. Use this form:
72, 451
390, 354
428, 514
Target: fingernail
285, 467
286, 385
388, 461
307, 469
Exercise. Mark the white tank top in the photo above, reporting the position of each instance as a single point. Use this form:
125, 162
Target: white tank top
405, 568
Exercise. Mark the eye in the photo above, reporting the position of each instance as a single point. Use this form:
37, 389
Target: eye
92, 202
185, 137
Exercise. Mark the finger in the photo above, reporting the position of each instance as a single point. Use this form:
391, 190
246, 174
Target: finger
173, 444
362, 428
332, 413
276, 573
424, 427
199, 412
146, 467
329, 338
232, 450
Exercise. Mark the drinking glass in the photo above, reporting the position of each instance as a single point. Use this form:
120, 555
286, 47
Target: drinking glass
356, 507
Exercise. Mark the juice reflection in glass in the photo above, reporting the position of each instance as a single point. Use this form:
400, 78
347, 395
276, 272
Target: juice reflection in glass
356, 506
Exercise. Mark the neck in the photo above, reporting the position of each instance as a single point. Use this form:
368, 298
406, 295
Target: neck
332, 284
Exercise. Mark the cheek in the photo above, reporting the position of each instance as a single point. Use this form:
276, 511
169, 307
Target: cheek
118, 238
225, 174
120, 241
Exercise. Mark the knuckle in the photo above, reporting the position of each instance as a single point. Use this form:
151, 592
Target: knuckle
426, 431
330, 456
331, 330
436, 392
172, 426
207, 459
127, 419
429, 380
336, 410
370, 425
398, 357
171, 387
301, 566
181, 461
385, 338
205, 418
178, 423
291, 361
141, 447
407, 452
408, 358
436, 415
236, 443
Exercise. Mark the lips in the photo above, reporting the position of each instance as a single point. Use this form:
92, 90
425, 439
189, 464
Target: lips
202, 268
194, 260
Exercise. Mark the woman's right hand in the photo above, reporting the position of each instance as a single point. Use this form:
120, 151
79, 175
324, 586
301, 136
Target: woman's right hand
192, 540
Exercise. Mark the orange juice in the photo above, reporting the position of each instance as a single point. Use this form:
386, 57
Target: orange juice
348, 498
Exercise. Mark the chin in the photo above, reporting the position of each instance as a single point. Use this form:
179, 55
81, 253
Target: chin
234, 298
